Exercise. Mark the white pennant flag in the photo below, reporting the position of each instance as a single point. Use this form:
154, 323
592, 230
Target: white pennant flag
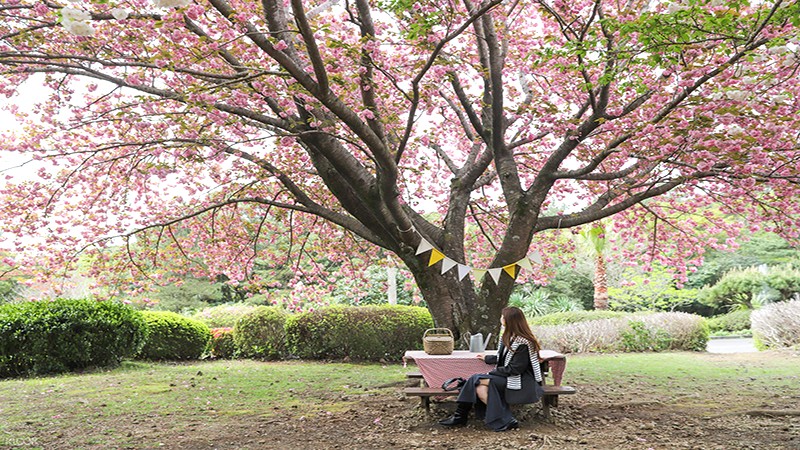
535, 257
495, 273
463, 271
525, 263
424, 246
447, 264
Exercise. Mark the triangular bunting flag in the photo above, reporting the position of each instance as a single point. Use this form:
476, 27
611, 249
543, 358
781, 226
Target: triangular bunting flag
447, 264
436, 256
495, 273
535, 257
511, 270
479, 273
463, 271
424, 246
525, 263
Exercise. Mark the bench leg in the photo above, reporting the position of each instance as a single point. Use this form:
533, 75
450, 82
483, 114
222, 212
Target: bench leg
425, 402
547, 402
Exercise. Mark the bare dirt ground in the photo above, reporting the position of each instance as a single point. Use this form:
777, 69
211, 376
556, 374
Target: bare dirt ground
739, 413
618, 415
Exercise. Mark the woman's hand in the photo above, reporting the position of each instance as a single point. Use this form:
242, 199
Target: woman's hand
480, 356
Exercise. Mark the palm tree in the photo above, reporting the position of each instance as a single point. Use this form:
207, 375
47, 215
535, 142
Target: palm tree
596, 238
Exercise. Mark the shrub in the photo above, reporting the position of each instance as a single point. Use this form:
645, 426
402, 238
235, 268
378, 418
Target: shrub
638, 338
750, 287
656, 332
223, 316
363, 333
261, 333
732, 322
777, 325
567, 317
222, 344
65, 335
174, 337
540, 302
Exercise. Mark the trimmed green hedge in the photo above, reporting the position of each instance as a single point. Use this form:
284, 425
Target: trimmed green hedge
361, 333
222, 344
261, 333
64, 335
174, 337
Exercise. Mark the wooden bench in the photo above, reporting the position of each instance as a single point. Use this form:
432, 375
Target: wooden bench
550, 399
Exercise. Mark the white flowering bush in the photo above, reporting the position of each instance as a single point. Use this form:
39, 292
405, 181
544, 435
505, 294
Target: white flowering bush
646, 332
776, 325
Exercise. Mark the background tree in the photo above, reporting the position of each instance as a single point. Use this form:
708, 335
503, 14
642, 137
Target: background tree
199, 122
595, 237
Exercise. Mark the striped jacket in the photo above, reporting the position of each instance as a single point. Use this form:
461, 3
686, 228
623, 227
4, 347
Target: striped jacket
513, 363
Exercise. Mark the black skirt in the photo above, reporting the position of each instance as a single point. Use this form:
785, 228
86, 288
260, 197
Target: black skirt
496, 412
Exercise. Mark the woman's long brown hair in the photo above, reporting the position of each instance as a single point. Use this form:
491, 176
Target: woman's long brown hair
516, 325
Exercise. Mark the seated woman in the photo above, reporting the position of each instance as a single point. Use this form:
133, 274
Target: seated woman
516, 379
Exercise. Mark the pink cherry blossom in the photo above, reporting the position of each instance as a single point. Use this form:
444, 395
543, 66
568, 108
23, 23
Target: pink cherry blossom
221, 136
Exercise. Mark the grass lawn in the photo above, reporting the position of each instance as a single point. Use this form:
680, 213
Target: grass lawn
154, 405
98, 408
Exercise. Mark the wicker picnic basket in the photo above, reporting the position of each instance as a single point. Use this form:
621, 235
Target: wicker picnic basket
438, 341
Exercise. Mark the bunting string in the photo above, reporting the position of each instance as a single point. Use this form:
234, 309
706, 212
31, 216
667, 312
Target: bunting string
463, 270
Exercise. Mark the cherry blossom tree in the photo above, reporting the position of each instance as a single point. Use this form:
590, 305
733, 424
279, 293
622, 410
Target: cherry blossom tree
473, 130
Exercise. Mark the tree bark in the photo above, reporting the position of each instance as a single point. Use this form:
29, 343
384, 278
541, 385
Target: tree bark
600, 283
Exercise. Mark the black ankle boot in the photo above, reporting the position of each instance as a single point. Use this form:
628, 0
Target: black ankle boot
460, 416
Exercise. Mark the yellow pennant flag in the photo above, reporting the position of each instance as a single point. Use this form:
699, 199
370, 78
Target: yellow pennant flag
436, 256
479, 273
511, 270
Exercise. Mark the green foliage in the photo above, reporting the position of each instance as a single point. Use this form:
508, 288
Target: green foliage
761, 249
541, 302
652, 291
732, 322
196, 293
595, 237
174, 337
419, 25
362, 333
349, 291
223, 315
261, 333
65, 335
572, 284
784, 281
222, 344
562, 318
9, 290
751, 287
638, 338
736, 288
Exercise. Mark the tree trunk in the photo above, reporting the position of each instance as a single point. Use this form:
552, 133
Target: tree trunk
600, 283
454, 303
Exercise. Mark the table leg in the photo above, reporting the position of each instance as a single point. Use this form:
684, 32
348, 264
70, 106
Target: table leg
557, 367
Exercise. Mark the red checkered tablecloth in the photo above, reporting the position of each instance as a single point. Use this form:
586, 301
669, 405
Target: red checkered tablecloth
436, 369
